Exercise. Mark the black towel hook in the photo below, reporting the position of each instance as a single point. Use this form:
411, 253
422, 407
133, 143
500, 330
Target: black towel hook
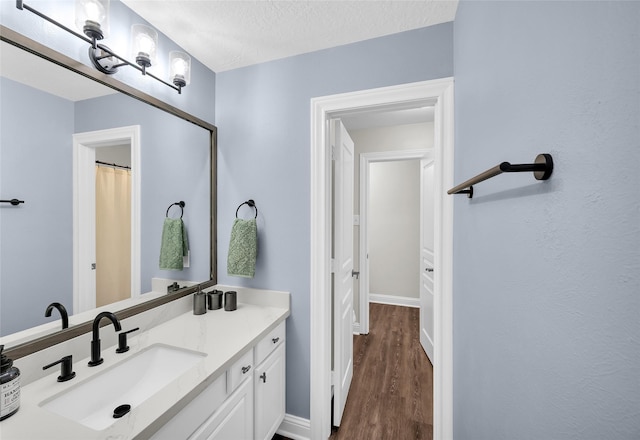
180, 204
251, 203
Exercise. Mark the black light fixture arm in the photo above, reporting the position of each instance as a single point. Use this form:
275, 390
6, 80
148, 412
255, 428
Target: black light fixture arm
124, 62
20, 4
541, 168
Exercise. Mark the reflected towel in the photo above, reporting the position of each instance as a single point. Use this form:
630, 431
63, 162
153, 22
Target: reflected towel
243, 248
174, 245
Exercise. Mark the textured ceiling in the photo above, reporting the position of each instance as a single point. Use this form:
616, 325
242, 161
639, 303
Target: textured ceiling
225, 35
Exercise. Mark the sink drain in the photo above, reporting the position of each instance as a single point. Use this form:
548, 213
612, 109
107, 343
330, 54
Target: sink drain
121, 411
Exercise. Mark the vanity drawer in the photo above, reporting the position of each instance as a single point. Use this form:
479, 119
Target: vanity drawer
239, 371
270, 342
195, 413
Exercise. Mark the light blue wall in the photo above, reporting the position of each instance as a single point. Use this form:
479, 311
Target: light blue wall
263, 117
175, 165
35, 149
197, 98
547, 274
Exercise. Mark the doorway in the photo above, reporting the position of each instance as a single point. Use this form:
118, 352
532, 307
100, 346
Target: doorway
85, 153
367, 160
440, 94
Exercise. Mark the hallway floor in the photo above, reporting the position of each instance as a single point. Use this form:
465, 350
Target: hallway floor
391, 395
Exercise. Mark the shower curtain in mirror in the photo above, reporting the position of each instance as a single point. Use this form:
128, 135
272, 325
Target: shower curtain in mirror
113, 235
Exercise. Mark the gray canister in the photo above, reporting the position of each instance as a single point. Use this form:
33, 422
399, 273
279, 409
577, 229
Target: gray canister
199, 303
230, 300
215, 299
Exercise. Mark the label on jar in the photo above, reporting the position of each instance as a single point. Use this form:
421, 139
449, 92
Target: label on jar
10, 397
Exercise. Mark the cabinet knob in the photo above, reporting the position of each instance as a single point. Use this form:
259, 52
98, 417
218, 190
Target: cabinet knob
263, 376
275, 340
246, 369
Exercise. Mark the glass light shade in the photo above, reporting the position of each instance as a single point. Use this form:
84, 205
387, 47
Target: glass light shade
92, 18
144, 42
179, 68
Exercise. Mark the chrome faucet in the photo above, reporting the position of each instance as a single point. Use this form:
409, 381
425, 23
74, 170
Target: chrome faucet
63, 313
96, 359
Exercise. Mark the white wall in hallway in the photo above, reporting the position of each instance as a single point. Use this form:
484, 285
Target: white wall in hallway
394, 228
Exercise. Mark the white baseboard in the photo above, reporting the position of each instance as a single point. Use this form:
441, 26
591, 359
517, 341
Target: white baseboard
295, 427
394, 300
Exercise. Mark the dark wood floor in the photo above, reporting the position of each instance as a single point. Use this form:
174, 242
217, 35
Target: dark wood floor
391, 395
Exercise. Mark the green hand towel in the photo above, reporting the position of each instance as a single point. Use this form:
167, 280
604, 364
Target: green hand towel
243, 248
174, 244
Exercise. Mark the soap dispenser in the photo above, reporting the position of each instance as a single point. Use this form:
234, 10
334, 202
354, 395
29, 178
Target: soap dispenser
10, 382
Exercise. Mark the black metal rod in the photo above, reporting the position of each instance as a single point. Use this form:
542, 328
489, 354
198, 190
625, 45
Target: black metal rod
113, 165
21, 5
14, 202
506, 167
542, 169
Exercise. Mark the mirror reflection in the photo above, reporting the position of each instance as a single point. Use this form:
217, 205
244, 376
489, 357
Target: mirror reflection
89, 233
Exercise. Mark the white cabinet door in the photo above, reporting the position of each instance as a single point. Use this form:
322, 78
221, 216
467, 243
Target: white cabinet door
270, 392
233, 420
187, 422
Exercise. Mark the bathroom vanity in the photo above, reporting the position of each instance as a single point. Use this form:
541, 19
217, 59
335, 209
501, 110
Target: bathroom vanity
220, 375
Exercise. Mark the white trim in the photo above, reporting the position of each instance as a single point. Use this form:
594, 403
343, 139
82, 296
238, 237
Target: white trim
392, 300
365, 160
295, 428
322, 108
84, 145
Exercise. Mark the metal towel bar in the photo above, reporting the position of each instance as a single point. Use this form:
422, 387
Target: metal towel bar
14, 202
542, 169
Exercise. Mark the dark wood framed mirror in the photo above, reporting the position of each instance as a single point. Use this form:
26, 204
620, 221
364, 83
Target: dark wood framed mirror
24, 43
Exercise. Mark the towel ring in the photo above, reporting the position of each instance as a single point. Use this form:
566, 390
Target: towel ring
180, 204
251, 203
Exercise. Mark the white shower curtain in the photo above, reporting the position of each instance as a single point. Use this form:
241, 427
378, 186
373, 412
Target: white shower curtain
113, 235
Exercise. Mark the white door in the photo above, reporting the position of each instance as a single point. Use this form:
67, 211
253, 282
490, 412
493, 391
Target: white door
426, 255
342, 147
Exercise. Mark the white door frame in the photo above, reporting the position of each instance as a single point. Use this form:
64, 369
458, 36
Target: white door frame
365, 160
84, 157
410, 95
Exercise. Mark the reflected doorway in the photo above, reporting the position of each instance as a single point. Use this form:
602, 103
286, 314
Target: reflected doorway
92, 219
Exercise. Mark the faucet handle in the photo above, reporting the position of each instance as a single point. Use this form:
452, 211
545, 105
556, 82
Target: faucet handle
122, 340
66, 368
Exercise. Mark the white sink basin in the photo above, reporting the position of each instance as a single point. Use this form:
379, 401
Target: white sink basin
132, 381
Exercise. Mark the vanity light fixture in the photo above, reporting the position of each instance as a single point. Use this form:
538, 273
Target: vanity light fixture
144, 41
92, 18
179, 68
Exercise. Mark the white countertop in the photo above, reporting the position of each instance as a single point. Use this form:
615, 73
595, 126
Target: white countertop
223, 336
